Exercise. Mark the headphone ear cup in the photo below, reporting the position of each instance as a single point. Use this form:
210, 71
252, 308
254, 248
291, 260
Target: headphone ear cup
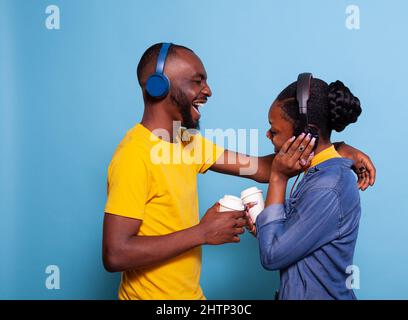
315, 134
157, 85
298, 131
313, 131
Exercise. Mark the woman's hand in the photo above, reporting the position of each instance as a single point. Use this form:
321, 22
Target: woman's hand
250, 223
363, 166
294, 157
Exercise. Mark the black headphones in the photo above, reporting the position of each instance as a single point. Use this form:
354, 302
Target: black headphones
302, 95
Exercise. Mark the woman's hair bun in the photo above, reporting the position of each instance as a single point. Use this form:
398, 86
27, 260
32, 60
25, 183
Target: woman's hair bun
344, 107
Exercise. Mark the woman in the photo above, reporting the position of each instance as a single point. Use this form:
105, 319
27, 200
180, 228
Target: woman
311, 236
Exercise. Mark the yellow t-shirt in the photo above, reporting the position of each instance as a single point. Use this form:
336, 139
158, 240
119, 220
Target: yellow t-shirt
156, 181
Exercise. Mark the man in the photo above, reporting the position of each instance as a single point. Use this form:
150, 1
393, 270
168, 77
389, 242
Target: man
152, 232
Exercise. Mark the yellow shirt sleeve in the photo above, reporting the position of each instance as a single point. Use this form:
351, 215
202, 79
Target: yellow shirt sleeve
207, 153
128, 184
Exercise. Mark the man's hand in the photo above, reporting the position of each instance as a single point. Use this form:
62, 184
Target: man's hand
363, 166
222, 227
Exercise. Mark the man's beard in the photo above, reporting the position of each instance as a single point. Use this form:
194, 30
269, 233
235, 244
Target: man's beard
184, 105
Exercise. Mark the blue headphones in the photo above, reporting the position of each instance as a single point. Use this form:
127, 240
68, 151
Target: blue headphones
158, 85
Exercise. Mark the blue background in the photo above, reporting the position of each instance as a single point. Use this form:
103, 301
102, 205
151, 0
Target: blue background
68, 96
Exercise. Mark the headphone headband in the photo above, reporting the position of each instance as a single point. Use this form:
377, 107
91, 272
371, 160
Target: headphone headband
303, 91
161, 59
303, 94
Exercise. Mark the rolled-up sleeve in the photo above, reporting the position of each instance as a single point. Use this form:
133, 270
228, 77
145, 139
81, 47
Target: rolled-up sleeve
287, 234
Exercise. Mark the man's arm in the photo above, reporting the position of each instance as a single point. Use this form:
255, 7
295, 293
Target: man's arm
123, 249
242, 165
363, 166
258, 168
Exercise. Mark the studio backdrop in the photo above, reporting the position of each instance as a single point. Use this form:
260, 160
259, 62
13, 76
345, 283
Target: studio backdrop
69, 93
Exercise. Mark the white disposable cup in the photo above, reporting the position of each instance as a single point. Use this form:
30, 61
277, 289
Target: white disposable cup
253, 195
231, 203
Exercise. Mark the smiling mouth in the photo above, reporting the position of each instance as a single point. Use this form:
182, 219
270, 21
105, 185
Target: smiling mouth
198, 104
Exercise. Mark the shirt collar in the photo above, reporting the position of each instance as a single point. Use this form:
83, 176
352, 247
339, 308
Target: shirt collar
324, 155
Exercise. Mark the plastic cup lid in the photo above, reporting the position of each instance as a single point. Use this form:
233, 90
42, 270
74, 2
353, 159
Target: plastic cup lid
232, 202
250, 191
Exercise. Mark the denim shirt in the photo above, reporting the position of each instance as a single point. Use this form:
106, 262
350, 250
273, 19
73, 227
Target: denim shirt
311, 237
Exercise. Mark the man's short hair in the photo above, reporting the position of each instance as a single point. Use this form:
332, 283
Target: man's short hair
150, 57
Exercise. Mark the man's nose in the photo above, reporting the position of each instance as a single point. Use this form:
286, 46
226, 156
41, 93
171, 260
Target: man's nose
207, 91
